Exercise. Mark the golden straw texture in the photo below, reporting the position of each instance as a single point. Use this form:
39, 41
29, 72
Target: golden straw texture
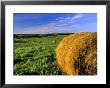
76, 54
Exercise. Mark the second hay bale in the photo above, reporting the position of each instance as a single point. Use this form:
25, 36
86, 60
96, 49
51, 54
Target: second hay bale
77, 54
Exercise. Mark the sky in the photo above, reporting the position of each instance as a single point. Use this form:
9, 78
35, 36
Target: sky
45, 23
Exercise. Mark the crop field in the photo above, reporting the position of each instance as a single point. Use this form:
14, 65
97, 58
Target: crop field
48, 44
55, 54
34, 54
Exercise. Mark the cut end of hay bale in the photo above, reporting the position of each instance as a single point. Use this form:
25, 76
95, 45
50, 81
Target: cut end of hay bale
77, 54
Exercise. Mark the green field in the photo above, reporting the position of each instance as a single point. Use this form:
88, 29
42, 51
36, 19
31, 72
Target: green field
35, 54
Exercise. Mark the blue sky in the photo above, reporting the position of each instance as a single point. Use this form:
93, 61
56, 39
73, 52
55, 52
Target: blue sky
43, 23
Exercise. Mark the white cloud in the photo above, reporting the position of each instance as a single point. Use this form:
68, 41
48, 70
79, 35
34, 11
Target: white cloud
61, 24
70, 19
78, 16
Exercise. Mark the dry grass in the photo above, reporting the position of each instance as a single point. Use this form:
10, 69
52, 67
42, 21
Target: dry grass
77, 54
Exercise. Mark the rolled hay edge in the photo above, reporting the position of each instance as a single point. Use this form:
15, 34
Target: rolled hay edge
76, 54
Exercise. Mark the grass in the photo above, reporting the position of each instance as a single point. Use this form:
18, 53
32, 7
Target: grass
35, 55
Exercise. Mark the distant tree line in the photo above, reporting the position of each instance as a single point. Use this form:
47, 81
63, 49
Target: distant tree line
38, 35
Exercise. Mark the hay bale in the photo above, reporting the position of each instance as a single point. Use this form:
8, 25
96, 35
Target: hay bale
54, 41
76, 54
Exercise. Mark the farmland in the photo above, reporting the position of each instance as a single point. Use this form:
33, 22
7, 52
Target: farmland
55, 54
34, 54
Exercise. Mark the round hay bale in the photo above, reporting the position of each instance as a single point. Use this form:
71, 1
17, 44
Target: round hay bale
76, 54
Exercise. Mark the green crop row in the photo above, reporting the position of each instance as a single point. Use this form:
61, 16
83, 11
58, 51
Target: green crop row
36, 56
